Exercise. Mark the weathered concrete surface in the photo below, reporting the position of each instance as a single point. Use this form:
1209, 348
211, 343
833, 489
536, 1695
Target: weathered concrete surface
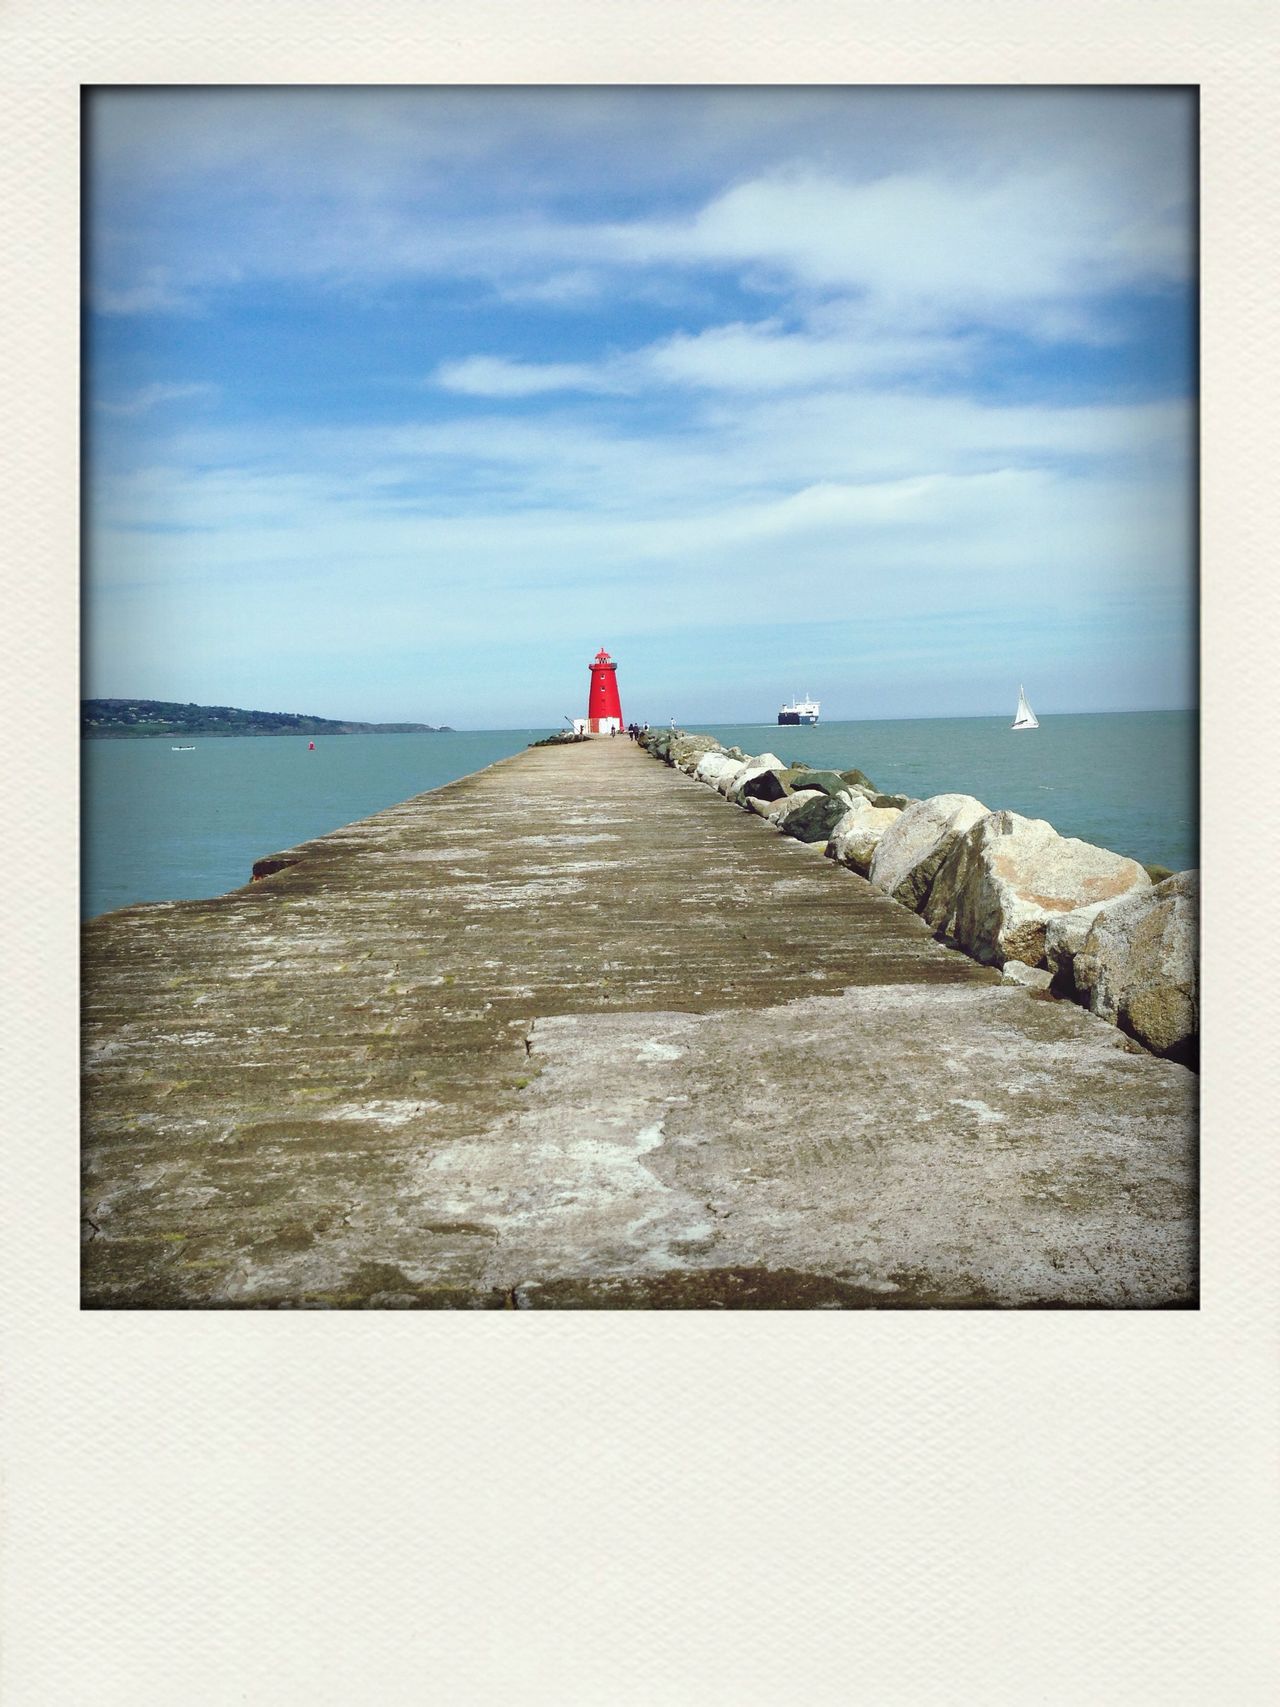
575, 1033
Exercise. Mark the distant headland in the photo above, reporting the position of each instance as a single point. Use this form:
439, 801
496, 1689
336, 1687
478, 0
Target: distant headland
117, 718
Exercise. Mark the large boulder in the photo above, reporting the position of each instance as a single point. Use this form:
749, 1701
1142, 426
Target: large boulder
685, 747
712, 766
911, 850
778, 811
685, 750
1064, 937
761, 780
1029, 977
811, 815
1139, 966
756, 765
728, 780
1006, 878
830, 782
857, 836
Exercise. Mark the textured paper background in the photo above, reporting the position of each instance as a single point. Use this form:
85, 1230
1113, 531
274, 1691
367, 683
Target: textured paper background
649, 1510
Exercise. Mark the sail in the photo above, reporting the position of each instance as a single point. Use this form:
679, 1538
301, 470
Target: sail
1024, 717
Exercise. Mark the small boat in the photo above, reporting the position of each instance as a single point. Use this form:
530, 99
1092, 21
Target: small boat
1024, 717
800, 711
182, 749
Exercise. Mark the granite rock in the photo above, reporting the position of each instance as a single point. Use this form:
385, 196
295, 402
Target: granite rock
1030, 977
1064, 937
762, 784
1139, 966
1008, 875
712, 766
791, 801
911, 850
728, 780
830, 782
685, 751
762, 765
811, 815
856, 837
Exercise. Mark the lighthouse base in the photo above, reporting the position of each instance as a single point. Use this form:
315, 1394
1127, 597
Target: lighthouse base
596, 725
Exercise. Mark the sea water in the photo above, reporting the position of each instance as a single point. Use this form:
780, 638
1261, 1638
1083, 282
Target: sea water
1122, 780
160, 825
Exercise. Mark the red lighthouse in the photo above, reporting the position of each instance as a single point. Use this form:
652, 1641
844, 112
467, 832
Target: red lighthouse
604, 709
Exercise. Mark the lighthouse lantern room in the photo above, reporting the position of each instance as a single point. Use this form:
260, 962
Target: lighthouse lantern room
604, 709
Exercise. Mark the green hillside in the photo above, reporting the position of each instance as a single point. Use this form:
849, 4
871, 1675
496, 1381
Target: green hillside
133, 717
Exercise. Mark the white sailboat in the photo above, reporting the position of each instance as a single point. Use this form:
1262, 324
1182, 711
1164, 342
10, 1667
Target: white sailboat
1024, 717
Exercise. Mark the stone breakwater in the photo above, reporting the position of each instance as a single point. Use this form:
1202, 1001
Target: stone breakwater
1050, 911
568, 1034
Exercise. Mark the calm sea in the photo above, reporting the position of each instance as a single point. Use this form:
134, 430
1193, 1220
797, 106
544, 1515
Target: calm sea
1124, 780
166, 826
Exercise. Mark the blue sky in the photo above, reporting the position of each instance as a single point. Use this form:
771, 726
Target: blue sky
400, 403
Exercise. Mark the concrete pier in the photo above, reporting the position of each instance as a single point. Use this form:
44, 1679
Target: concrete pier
573, 1032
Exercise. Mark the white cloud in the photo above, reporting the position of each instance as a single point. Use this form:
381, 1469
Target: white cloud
492, 376
766, 357
146, 399
762, 356
148, 295
579, 285
775, 315
768, 495
936, 245
1034, 550
980, 203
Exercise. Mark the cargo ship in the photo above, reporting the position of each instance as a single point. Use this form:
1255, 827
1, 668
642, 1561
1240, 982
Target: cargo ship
799, 711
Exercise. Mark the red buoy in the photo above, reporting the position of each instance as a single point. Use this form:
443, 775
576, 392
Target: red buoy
311, 746
604, 709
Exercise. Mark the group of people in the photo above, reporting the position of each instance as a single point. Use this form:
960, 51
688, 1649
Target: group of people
635, 730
